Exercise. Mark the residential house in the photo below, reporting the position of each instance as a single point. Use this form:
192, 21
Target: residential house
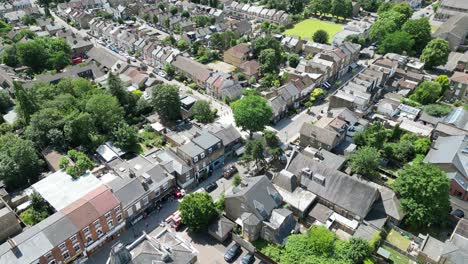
237, 55
459, 83
250, 68
292, 44
192, 70
186, 106
75, 231
165, 246
326, 133
10, 224
175, 165
334, 189
229, 135
139, 184
450, 8
223, 87
253, 205
450, 154
455, 31
203, 153
359, 28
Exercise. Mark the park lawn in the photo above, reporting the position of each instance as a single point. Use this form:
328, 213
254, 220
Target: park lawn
398, 240
307, 28
396, 257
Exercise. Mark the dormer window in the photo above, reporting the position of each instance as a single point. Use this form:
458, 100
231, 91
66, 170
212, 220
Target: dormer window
195, 159
202, 155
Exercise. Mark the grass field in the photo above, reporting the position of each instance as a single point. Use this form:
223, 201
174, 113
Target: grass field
396, 257
398, 240
307, 28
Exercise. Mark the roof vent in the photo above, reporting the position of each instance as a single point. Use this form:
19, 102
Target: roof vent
307, 172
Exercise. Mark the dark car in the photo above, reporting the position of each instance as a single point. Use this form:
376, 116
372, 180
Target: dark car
210, 187
232, 253
248, 259
457, 213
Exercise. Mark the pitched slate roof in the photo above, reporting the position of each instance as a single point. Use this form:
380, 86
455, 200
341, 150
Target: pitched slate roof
450, 150
348, 192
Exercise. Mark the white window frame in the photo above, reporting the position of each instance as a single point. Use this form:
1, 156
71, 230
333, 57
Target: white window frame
87, 240
66, 252
119, 218
210, 150
110, 224
202, 155
108, 215
195, 159
99, 234
75, 246
48, 256
145, 200
73, 239
62, 246
86, 230
117, 209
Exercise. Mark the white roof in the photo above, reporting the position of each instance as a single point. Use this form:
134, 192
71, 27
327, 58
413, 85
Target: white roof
109, 151
60, 189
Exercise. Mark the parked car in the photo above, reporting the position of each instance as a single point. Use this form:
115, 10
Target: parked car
457, 214
248, 258
232, 253
211, 187
229, 171
179, 193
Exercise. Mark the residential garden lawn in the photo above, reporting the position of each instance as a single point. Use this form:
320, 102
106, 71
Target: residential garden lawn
398, 240
307, 28
396, 257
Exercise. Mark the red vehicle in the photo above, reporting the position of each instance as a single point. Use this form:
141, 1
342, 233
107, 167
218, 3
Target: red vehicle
229, 171
178, 193
174, 220
77, 60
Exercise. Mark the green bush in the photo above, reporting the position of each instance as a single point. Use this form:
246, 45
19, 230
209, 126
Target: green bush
437, 110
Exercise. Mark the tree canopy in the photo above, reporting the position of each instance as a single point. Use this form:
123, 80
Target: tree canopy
397, 42
125, 136
197, 210
435, 53
252, 113
44, 53
203, 113
320, 36
20, 164
427, 93
420, 30
166, 101
424, 192
365, 161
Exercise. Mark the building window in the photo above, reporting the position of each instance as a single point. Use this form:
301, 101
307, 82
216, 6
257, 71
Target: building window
110, 224
89, 240
145, 200
52, 262
119, 218
77, 248
65, 255
108, 216
73, 239
99, 233
62, 247
195, 159
117, 210
97, 224
219, 145
210, 150
86, 230
165, 186
48, 256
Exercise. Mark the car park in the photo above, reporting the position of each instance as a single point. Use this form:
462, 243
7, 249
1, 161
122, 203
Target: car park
232, 253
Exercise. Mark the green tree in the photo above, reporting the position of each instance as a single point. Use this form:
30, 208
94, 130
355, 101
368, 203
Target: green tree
381, 28
252, 113
166, 101
267, 42
397, 42
424, 192
185, 14
203, 113
255, 151
173, 10
125, 136
420, 30
435, 53
169, 69
404, 9
427, 93
354, 250
444, 82
236, 180
25, 104
105, 110
9, 56
296, 6
59, 60
273, 144
33, 55
5, 102
269, 61
197, 210
155, 20
374, 136
293, 60
320, 36
341, 8
116, 88
370, 5
320, 6
437, 110
365, 161
81, 163
20, 164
